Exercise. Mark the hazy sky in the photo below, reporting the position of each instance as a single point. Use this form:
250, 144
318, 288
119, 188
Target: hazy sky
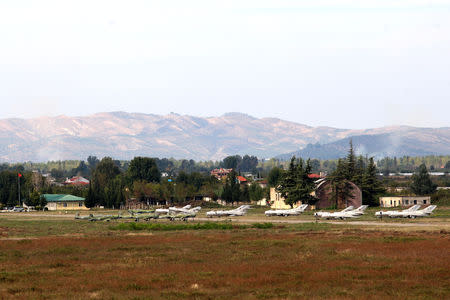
353, 64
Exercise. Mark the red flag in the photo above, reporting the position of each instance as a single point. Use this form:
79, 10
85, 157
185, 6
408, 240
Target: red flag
20, 175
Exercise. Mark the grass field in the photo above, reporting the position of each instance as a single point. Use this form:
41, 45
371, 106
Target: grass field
54, 257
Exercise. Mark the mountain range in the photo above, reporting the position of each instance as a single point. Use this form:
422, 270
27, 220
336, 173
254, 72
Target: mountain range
124, 135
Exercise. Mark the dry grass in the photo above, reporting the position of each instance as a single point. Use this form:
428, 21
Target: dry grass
221, 264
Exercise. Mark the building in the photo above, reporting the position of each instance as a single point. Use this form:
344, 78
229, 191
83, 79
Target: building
323, 192
77, 180
404, 201
220, 173
277, 201
64, 202
262, 183
241, 180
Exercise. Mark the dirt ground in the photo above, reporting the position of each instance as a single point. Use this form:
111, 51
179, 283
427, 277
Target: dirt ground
47, 257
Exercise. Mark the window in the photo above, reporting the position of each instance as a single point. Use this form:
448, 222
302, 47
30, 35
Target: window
424, 201
80, 204
406, 202
415, 201
65, 204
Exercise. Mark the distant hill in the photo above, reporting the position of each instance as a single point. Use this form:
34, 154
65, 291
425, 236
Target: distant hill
125, 135
411, 142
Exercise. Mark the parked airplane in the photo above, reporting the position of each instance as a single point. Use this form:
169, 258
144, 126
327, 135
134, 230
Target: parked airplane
94, 218
360, 210
413, 213
240, 211
183, 216
78, 217
161, 211
349, 212
145, 217
186, 209
390, 212
286, 212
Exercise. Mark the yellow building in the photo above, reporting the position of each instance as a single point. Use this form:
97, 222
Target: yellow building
277, 201
404, 201
64, 202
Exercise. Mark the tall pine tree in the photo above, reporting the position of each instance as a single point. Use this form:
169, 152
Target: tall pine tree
341, 189
421, 182
295, 184
371, 187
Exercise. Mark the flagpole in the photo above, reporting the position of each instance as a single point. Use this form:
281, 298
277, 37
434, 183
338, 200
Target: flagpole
18, 182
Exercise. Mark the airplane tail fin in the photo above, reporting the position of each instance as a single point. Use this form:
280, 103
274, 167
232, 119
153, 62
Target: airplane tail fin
413, 208
348, 208
430, 208
362, 207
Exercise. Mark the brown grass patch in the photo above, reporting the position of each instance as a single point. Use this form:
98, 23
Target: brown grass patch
251, 264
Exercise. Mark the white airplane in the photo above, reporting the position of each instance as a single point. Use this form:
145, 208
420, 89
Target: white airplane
184, 210
324, 213
349, 212
359, 211
161, 211
394, 212
240, 211
414, 214
286, 212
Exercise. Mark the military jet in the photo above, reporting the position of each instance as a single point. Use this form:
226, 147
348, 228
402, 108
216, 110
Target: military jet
286, 212
359, 211
390, 212
174, 209
145, 217
414, 213
78, 217
183, 216
349, 212
240, 211
94, 218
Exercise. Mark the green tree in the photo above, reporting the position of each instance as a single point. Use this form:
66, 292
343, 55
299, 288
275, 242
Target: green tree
92, 162
295, 184
340, 185
371, 187
256, 192
359, 172
350, 163
421, 183
244, 194
274, 176
231, 191
144, 168
104, 183
232, 162
91, 199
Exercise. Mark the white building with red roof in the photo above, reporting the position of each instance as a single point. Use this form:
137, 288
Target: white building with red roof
77, 180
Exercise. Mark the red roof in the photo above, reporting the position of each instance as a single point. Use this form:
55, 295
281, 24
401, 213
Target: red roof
314, 176
241, 179
77, 180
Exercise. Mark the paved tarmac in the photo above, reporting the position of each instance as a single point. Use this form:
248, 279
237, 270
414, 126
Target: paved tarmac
360, 223
252, 219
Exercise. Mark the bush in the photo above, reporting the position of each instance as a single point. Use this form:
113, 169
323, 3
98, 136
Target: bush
197, 226
441, 197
